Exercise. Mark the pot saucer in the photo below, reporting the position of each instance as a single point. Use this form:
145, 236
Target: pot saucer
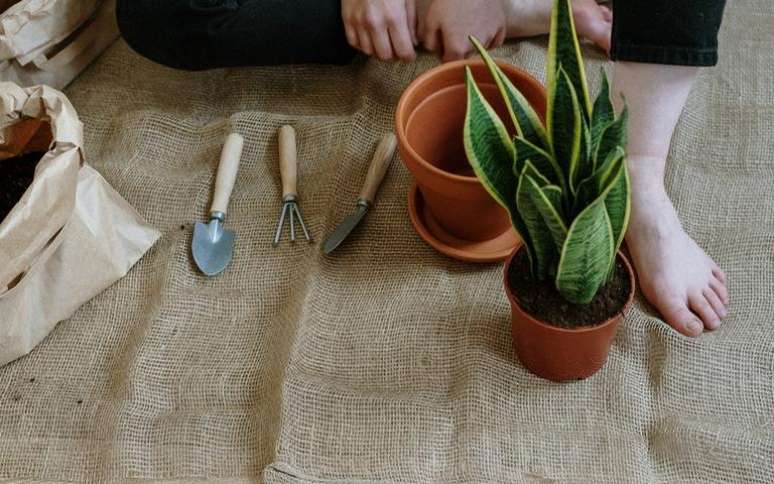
494, 250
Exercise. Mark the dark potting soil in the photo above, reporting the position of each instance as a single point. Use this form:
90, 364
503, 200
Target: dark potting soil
16, 176
543, 301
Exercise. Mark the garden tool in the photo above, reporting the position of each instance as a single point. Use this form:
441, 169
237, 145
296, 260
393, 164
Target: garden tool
213, 245
376, 173
289, 174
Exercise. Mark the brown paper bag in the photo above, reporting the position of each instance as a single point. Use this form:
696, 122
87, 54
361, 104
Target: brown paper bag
70, 236
52, 41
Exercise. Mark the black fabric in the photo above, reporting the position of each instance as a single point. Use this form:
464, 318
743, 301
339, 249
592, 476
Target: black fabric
206, 34
681, 32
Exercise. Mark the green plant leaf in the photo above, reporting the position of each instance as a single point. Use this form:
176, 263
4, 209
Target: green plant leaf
528, 196
564, 52
613, 135
618, 206
554, 195
602, 114
530, 169
586, 256
544, 199
564, 126
525, 119
593, 186
585, 164
611, 178
490, 153
542, 160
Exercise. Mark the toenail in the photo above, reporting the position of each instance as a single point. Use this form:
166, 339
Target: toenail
695, 326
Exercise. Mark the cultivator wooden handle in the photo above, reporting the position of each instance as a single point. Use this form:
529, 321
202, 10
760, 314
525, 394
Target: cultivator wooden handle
288, 161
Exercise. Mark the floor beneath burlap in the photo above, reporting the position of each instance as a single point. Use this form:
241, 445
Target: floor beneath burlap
388, 362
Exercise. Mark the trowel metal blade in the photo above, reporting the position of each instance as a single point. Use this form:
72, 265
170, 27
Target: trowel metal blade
210, 253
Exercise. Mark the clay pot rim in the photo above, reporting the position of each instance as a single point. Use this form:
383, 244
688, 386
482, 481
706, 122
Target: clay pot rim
586, 329
402, 117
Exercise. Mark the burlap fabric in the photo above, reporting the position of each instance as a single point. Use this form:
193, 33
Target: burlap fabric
388, 362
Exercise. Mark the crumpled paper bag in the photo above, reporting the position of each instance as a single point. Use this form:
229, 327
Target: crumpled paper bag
30, 27
69, 237
52, 41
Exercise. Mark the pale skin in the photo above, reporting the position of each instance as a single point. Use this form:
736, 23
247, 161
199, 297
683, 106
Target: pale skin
676, 275
392, 29
684, 284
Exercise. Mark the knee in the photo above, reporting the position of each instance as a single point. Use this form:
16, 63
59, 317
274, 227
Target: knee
148, 28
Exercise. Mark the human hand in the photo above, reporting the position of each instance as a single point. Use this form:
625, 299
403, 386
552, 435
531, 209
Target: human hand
384, 28
448, 24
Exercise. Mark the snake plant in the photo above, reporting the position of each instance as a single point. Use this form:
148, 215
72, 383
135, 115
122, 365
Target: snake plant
564, 185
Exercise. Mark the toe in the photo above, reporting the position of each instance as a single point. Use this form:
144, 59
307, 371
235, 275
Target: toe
717, 305
721, 290
699, 304
607, 14
718, 273
593, 26
677, 315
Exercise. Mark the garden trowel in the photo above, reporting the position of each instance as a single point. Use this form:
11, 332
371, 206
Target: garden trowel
213, 245
376, 173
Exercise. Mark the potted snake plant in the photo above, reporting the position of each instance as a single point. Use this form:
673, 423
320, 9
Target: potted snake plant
566, 188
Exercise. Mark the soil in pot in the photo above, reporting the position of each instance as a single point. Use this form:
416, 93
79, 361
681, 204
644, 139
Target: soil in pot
16, 176
543, 301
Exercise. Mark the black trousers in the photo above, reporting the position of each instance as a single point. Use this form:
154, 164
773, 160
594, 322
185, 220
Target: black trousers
682, 32
206, 34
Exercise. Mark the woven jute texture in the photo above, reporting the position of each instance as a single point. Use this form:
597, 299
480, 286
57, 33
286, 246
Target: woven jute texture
388, 362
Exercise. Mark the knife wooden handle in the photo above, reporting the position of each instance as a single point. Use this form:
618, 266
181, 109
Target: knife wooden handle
379, 167
227, 172
288, 161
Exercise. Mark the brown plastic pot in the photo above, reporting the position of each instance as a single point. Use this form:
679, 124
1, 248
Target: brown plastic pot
429, 124
560, 354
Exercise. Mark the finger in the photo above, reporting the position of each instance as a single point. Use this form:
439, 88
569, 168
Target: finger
454, 48
381, 42
352, 38
411, 20
401, 42
365, 42
499, 38
432, 40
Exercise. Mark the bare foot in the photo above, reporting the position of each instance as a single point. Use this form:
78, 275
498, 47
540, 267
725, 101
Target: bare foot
526, 18
675, 274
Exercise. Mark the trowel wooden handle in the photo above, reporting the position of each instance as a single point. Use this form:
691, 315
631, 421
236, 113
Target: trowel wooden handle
379, 167
288, 161
227, 172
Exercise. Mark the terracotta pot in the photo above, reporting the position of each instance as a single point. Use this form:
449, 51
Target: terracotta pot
561, 354
429, 124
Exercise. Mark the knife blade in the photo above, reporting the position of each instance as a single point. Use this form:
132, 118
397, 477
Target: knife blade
376, 173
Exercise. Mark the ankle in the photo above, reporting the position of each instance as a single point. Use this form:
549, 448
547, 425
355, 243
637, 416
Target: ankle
646, 174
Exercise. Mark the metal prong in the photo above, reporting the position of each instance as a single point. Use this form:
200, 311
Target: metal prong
280, 224
292, 222
303, 225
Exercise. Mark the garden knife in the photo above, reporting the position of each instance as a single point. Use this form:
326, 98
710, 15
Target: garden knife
376, 173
